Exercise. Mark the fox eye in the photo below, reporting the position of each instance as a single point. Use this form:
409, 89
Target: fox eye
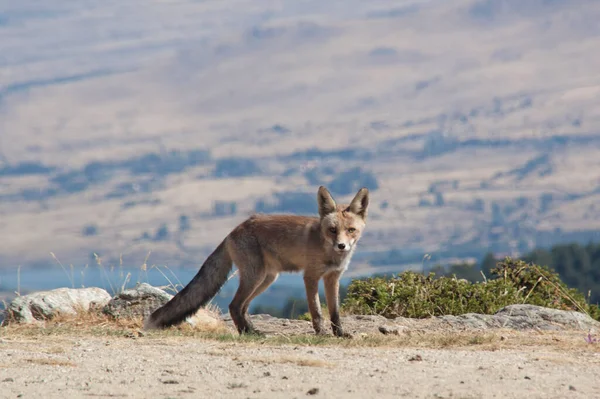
333, 230
351, 230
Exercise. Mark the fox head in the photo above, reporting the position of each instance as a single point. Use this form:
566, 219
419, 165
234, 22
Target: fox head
342, 225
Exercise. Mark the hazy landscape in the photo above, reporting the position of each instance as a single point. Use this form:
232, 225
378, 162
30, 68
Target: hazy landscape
135, 129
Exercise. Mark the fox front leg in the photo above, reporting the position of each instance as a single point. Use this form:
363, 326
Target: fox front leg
314, 306
332, 289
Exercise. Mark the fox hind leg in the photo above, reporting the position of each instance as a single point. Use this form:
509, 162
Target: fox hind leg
253, 279
268, 280
249, 282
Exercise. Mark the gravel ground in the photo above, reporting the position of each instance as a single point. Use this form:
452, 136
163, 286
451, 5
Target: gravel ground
173, 367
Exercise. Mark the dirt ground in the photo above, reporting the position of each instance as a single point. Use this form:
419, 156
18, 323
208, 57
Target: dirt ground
557, 365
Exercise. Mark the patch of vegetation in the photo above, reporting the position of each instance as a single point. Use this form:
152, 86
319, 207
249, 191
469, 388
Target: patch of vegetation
316, 154
236, 167
147, 202
352, 180
95, 324
97, 172
25, 168
162, 233
123, 190
90, 230
224, 208
319, 175
411, 294
289, 202
577, 265
184, 223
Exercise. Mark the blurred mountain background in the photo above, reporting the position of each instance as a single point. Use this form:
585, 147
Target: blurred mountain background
138, 133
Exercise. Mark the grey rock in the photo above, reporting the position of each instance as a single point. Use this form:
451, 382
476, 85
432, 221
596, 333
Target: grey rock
390, 330
524, 317
139, 301
515, 317
44, 305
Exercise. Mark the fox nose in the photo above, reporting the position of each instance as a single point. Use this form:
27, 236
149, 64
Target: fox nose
341, 246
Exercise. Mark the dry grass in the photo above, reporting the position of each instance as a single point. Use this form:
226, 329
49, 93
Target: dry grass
95, 323
488, 341
298, 361
51, 362
55, 350
210, 327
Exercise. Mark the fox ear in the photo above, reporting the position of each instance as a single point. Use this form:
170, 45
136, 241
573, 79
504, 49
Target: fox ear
326, 203
360, 203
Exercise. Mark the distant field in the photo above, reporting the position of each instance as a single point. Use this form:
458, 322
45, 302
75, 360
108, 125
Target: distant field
474, 123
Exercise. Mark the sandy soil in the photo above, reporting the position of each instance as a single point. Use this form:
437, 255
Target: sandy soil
167, 367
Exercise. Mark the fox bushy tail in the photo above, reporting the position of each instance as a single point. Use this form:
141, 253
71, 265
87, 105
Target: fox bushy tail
203, 287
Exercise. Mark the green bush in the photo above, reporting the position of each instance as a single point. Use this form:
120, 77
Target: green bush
415, 295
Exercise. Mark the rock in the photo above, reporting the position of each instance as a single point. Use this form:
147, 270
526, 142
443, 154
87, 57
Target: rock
529, 316
524, 317
44, 305
391, 330
139, 301
515, 317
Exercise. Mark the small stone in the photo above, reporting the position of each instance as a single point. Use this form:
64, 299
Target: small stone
8, 380
386, 330
415, 358
313, 391
572, 388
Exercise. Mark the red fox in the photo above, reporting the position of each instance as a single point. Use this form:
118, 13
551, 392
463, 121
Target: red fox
263, 246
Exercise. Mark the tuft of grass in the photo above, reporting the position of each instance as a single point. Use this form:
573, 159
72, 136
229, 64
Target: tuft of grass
415, 295
55, 350
236, 385
420, 339
51, 362
115, 277
298, 361
96, 323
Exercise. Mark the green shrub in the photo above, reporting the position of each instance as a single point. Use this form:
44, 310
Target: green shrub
411, 294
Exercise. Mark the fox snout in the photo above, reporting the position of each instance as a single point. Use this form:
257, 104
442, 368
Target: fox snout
342, 245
